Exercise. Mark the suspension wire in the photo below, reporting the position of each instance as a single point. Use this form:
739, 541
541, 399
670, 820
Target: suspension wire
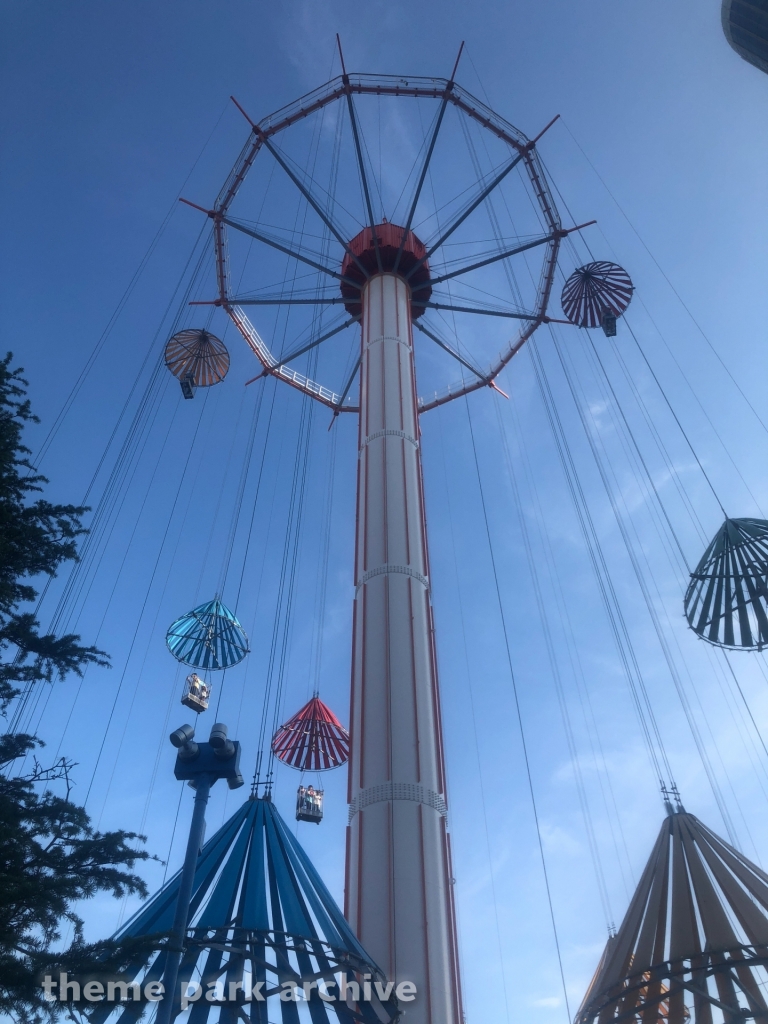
416, 160
208, 547
108, 603
727, 659
278, 659
633, 464
173, 835
475, 733
143, 606
625, 648
572, 244
118, 575
238, 505
676, 419
677, 681
656, 434
492, 215
284, 603
116, 482
671, 529
694, 689
730, 668
676, 643
321, 586
671, 469
631, 434
103, 521
255, 505
591, 838
316, 646
581, 789
518, 711
297, 500
151, 630
698, 402
646, 701
674, 475
582, 690
163, 732
84, 373
698, 326
32, 696
556, 676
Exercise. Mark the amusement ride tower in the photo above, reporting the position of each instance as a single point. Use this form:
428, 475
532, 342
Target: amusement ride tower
248, 911
399, 895
398, 886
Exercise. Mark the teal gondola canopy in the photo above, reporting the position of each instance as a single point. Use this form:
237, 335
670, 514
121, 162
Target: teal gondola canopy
208, 637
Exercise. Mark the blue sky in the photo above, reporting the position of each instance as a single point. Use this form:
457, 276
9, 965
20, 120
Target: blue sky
109, 112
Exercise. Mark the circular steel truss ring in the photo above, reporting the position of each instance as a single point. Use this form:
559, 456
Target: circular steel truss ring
644, 991
297, 958
387, 85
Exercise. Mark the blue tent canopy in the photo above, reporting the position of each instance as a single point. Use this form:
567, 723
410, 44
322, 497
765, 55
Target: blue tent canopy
208, 637
259, 913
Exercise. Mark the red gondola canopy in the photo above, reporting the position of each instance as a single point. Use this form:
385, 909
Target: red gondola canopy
313, 740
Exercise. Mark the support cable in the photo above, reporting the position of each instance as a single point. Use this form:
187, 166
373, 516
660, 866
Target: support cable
518, 712
650, 606
84, 373
624, 646
475, 733
602, 773
666, 648
698, 326
668, 461
557, 678
141, 614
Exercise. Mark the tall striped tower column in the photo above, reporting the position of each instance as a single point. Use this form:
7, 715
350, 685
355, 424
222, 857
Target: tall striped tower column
399, 896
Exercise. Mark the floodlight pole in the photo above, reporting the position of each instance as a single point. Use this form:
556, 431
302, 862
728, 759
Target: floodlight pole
201, 764
399, 895
168, 1007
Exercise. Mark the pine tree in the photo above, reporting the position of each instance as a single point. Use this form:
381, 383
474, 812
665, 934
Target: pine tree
50, 855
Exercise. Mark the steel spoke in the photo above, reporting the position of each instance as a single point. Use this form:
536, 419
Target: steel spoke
424, 169
337, 300
348, 385
471, 309
314, 204
361, 166
318, 341
290, 252
451, 351
470, 209
491, 259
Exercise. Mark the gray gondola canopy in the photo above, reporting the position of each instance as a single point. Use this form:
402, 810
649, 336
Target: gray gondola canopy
693, 945
726, 602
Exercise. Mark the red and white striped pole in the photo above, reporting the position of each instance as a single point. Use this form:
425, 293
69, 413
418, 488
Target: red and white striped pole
399, 896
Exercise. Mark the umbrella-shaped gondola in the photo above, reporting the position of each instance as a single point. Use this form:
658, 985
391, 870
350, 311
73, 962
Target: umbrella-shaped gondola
726, 601
198, 358
596, 294
208, 637
313, 739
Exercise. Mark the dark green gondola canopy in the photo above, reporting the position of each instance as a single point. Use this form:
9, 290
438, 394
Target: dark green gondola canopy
726, 602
